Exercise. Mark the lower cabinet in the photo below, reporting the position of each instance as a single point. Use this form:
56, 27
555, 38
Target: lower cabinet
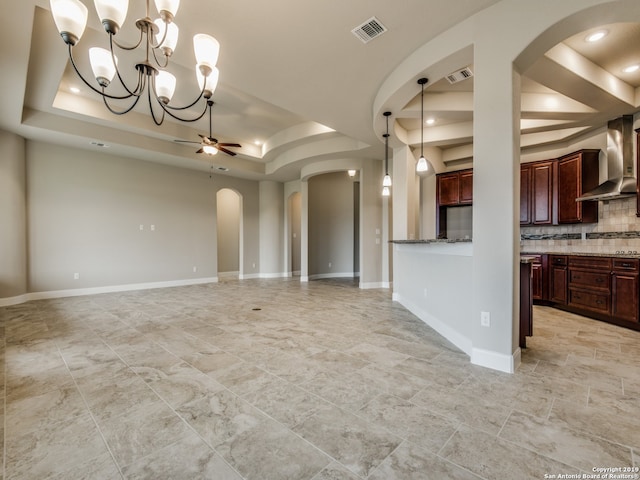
624, 289
589, 286
558, 279
604, 288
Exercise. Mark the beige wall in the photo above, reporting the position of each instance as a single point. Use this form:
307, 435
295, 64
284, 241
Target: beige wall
13, 216
115, 221
85, 210
71, 211
331, 224
228, 222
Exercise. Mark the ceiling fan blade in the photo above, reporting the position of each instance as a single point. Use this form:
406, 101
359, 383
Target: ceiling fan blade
228, 152
229, 145
200, 151
186, 141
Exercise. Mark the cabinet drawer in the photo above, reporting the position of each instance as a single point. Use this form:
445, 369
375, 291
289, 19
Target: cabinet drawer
598, 302
595, 263
589, 279
626, 264
558, 259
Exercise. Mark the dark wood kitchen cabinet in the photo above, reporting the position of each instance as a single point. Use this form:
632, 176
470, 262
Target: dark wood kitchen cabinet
455, 188
558, 279
466, 187
637, 170
624, 289
578, 173
537, 193
600, 287
589, 284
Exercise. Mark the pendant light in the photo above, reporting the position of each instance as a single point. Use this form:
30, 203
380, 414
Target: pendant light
422, 165
386, 181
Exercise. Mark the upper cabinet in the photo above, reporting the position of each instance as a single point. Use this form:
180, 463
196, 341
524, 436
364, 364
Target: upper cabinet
455, 188
548, 189
466, 187
536, 193
578, 172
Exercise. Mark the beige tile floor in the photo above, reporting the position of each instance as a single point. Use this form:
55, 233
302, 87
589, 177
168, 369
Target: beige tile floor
323, 382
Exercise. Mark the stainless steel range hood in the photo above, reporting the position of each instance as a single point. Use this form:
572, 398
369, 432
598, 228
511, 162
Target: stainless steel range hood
621, 180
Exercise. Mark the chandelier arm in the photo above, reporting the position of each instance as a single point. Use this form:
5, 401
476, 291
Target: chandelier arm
122, 112
168, 107
101, 92
195, 119
164, 37
153, 114
139, 88
155, 57
125, 47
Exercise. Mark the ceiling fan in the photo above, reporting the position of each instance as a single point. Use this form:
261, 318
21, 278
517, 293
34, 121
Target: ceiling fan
210, 145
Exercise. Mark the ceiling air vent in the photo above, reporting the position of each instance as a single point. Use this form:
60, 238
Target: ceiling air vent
460, 75
369, 30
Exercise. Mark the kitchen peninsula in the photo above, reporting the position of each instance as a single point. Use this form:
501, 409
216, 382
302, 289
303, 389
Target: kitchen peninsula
433, 280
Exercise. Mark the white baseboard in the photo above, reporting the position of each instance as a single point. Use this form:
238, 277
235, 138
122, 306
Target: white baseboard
368, 285
495, 360
75, 292
275, 275
317, 276
455, 337
304, 278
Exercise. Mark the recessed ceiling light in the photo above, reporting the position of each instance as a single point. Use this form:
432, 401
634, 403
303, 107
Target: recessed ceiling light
430, 121
257, 142
74, 90
595, 36
631, 68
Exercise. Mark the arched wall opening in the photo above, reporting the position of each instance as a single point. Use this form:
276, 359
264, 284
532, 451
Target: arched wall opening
294, 216
333, 226
229, 233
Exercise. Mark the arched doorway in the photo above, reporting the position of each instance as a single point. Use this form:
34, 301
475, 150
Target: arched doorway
229, 233
295, 229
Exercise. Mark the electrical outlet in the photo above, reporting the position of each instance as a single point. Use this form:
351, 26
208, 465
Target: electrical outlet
195, 269
141, 227
425, 293
153, 227
485, 319
254, 265
329, 264
76, 276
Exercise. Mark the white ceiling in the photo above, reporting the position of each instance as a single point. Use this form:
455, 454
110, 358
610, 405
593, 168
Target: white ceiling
293, 75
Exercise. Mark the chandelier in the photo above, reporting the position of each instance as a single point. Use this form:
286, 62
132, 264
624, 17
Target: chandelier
158, 39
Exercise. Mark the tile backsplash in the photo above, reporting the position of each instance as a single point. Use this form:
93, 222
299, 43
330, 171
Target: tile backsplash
617, 230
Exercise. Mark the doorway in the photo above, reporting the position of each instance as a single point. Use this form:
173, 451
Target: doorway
229, 233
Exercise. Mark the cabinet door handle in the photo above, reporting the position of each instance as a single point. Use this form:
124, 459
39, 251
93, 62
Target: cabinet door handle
577, 297
577, 277
599, 280
626, 265
599, 302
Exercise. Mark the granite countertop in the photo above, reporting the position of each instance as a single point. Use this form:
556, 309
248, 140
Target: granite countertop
528, 258
617, 254
432, 240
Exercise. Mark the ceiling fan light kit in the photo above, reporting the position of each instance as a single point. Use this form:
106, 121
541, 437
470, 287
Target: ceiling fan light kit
210, 145
160, 35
